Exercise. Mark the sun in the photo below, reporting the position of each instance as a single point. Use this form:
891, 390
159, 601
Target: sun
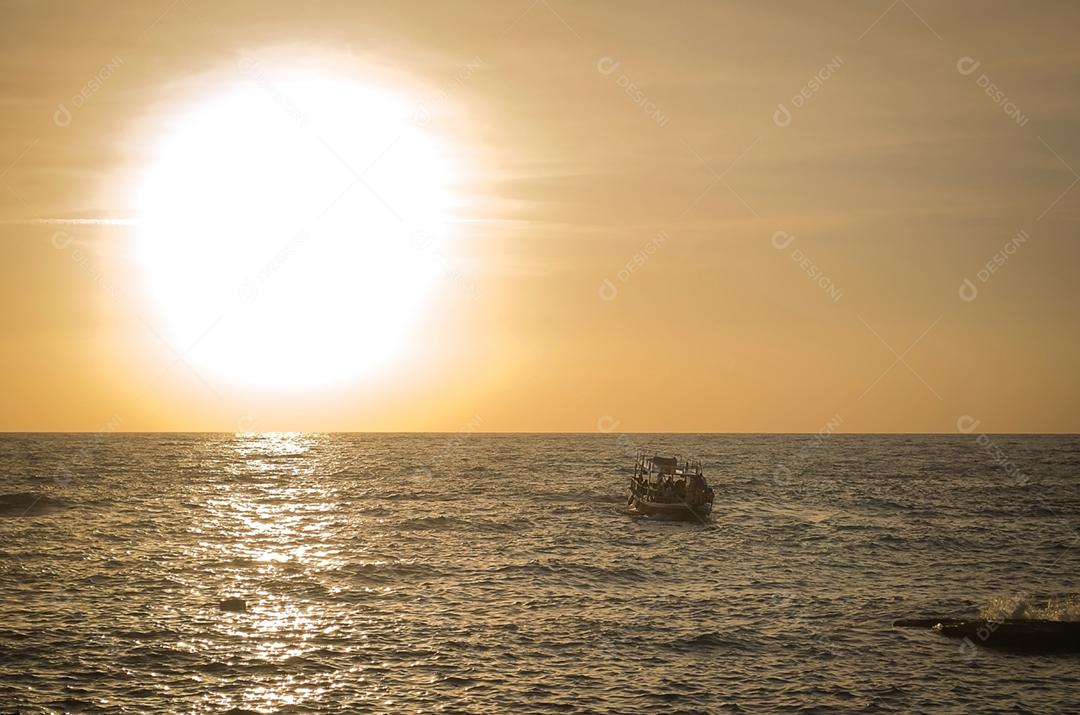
290, 229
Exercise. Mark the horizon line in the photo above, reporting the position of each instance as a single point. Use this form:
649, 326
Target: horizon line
539, 432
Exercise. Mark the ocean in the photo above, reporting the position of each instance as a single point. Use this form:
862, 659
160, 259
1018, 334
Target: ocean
487, 573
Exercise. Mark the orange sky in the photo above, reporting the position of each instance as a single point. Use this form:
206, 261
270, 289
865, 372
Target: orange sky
689, 217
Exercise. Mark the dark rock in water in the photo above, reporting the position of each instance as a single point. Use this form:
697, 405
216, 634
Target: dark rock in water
28, 504
233, 604
1033, 636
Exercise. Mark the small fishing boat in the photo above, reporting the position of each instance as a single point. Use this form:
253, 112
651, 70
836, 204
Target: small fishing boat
665, 487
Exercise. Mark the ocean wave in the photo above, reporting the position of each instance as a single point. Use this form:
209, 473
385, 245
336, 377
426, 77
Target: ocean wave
877, 504
451, 523
567, 572
390, 571
708, 641
588, 497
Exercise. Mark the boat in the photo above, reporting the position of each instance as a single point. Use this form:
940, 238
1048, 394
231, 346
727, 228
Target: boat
667, 488
1030, 635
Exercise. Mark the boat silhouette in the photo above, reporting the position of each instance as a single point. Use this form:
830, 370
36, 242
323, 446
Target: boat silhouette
663, 487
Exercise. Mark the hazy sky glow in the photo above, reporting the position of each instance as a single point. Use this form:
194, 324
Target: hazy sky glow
661, 217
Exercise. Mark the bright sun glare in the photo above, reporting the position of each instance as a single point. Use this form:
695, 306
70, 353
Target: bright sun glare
290, 230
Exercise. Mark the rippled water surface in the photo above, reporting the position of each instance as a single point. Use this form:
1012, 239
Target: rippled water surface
501, 573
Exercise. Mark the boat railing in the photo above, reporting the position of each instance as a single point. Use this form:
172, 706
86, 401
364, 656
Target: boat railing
683, 465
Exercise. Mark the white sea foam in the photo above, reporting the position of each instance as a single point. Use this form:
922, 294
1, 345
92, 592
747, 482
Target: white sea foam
1059, 607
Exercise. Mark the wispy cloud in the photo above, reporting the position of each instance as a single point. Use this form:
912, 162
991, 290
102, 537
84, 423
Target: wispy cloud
69, 222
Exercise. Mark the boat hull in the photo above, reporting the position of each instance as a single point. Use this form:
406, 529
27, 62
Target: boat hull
677, 512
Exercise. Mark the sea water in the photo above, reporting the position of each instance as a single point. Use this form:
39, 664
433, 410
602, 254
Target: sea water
502, 573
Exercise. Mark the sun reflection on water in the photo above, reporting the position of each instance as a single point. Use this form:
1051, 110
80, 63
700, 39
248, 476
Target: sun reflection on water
269, 539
